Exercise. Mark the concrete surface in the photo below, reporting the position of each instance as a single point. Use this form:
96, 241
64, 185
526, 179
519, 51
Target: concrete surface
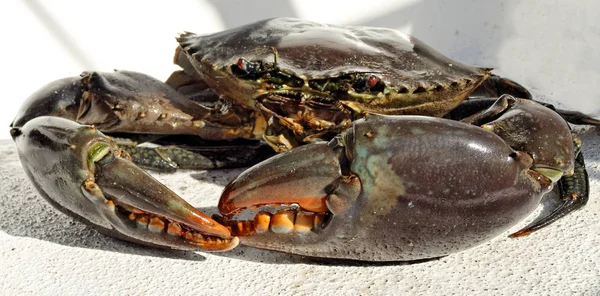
43, 252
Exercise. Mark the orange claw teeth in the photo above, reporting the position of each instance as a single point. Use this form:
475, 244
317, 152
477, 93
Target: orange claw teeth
142, 220
283, 222
319, 220
262, 221
174, 229
244, 228
111, 205
156, 224
188, 236
304, 222
199, 238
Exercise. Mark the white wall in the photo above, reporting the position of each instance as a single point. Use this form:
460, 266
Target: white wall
549, 46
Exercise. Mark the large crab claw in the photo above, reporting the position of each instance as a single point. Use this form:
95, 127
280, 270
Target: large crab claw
389, 189
84, 174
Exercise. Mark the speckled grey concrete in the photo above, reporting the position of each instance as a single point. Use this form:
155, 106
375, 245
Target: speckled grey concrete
45, 252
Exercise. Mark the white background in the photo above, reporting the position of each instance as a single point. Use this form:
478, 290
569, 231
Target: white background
552, 47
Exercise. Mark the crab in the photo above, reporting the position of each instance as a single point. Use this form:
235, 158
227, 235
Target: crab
368, 169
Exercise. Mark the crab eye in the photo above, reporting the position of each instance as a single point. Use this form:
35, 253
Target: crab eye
372, 81
246, 67
241, 63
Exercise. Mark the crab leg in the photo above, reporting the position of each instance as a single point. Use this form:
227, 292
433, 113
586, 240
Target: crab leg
85, 175
496, 86
196, 154
475, 105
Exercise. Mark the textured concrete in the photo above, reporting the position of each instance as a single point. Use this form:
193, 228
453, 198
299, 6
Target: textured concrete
44, 252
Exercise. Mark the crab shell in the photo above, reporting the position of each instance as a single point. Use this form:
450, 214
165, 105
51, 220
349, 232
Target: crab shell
415, 78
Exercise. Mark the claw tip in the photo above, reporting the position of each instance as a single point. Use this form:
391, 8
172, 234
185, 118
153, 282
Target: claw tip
521, 233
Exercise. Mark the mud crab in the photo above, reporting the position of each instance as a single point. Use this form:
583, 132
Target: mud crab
357, 180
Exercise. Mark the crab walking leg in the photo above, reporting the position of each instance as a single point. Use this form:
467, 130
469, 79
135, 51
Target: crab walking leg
496, 86
391, 188
151, 158
120, 101
207, 155
85, 175
472, 106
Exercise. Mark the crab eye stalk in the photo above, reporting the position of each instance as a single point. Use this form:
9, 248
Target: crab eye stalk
15, 132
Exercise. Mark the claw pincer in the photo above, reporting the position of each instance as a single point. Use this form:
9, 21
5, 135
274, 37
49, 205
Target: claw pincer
85, 175
391, 188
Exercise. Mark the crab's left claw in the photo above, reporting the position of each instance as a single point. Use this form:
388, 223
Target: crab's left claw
84, 174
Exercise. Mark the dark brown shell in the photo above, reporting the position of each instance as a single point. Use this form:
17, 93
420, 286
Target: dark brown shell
315, 50
297, 59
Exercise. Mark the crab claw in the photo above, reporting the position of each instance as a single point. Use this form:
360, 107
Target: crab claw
391, 188
306, 173
306, 181
85, 175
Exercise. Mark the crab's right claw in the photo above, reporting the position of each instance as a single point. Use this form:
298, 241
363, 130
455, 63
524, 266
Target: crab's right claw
84, 174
